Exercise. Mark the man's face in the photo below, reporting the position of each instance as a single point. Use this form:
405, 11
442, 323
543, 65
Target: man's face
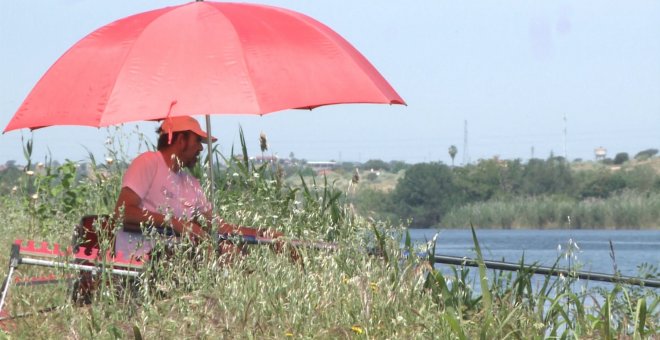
190, 148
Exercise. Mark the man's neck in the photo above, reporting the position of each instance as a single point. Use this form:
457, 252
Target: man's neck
170, 159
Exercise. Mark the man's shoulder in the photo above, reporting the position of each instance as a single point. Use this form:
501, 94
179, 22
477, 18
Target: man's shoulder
148, 162
147, 157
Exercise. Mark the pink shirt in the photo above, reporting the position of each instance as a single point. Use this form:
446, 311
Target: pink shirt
161, 190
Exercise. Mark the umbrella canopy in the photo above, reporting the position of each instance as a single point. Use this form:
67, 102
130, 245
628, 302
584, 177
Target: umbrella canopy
201, 58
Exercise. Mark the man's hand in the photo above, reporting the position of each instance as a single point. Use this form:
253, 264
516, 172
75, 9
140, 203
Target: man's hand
191, 229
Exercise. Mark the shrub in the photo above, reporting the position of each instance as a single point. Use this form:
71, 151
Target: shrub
621, 158
645, 154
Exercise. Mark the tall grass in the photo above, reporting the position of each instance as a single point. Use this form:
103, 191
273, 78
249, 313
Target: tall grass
625, 210
347, 293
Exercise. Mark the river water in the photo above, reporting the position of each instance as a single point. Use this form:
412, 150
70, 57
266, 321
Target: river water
631, 247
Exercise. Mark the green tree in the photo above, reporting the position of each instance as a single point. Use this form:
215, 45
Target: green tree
452, 153
621, 158
396, 166
9, 177
424, 194
645, 154
375, 164
487, 179
546, 177
605, 184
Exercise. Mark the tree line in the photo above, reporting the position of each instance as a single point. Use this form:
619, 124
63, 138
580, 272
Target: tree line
429, 191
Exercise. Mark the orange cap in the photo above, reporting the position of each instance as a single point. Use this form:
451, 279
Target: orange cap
182, 123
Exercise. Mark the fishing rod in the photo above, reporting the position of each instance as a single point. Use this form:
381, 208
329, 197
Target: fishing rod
540, 270
469, 262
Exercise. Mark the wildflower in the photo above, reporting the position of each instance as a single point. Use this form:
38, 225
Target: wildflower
40, 165
357, 329
344, 279
256, 175
109, 160
235, 174
29, 173
14, 188
373, 286
35, 196
289, 334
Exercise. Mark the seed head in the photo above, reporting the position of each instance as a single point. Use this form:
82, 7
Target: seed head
356, 176
263, 142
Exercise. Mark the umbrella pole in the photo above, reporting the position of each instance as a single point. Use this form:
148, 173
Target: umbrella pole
210, 155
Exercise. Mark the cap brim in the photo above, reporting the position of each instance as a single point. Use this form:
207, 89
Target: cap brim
205, 136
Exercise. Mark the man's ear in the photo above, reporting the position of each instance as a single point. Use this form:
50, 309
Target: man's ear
178, 140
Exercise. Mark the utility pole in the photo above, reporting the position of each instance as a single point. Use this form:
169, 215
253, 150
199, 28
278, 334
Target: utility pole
466, 157
565, 133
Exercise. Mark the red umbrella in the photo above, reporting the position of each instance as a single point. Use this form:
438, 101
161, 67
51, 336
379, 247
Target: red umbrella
197, 59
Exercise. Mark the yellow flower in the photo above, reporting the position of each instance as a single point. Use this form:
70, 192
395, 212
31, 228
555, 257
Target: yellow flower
289, 334
374, 286
357, 329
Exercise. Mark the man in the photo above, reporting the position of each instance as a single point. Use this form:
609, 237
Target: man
156, 191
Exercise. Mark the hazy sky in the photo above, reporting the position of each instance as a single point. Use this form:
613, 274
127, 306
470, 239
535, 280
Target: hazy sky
512, 69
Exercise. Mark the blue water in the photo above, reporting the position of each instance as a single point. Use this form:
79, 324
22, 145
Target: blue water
631, 247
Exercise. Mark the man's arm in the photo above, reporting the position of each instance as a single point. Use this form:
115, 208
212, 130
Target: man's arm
134, 215
227, 228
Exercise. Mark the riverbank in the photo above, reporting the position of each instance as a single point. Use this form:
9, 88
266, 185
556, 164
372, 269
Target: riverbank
627, 210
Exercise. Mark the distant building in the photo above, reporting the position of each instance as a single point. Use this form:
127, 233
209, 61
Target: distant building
265, 159
600, 152
322, 167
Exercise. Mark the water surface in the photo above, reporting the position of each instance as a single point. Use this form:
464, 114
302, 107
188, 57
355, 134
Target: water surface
631, 247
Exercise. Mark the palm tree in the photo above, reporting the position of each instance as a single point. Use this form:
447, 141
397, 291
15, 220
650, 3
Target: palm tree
452, 152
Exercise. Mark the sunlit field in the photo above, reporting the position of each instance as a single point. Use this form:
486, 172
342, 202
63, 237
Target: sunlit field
364, 288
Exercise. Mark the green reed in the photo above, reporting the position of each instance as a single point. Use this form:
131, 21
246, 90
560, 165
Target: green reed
626, 210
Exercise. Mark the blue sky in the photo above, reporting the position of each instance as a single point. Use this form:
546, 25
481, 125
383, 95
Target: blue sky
512, 69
